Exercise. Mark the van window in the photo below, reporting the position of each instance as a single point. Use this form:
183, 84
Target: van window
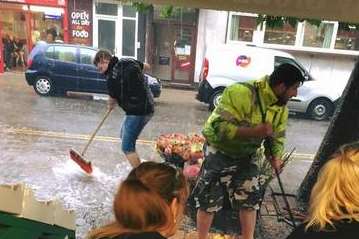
87, 56
64, 53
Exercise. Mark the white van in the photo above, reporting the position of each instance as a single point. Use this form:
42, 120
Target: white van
224, 65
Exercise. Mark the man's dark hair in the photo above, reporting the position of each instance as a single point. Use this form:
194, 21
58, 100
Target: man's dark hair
102, 55
286, 73
52, 31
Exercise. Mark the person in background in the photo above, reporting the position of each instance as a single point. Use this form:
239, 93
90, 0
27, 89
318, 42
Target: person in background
334, 201
127, 88
8, 51
51, 35
19, 52
148, 204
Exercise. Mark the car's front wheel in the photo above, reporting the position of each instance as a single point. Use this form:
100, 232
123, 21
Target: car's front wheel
320, 109
215, 99
43, 86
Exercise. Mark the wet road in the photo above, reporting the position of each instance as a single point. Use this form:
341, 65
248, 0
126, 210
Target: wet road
36, 134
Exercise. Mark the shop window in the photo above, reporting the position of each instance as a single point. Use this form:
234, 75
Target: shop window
284, 35
129, 11
347, 39
64, 53
106, 9
242, 28
179, 14
46, 28
318, 36
128, 39
87, 56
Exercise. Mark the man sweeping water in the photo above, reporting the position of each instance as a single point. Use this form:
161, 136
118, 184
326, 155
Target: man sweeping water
128, 88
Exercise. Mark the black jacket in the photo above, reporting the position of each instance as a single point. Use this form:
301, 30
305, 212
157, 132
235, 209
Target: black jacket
126, 83
344, 230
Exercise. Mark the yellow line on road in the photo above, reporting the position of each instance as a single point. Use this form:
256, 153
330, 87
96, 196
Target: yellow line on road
63, 135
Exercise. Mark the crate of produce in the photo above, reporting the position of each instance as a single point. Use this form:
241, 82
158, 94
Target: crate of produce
182, 151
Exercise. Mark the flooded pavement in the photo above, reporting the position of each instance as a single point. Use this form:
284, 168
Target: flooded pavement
36, 134
44, 165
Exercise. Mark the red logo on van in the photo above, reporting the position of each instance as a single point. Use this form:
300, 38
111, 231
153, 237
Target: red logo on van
243, 60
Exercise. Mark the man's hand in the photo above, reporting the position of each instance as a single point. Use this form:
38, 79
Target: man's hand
146, 67
263, 130
259, 131
111, 103
277, 164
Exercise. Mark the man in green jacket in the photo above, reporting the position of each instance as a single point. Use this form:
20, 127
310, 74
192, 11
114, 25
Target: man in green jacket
247, 114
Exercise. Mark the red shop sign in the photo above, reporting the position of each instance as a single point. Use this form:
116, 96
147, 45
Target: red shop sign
47, 2
54, 3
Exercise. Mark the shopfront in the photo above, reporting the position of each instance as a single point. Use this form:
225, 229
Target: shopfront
175, 45
24, 22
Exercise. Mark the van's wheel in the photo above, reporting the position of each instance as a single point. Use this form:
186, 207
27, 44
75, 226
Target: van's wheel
44, 86
215, 99
320, 109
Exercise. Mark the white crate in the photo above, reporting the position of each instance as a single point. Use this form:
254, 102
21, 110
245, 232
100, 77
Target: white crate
42, 211
11, 198
64, 218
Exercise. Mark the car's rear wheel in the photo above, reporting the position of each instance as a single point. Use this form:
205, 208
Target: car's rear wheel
320, 109
44, 86
215, 99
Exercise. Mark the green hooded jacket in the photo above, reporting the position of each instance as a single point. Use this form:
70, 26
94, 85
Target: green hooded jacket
239, 107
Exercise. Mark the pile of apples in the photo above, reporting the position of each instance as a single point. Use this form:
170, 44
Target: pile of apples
187, 148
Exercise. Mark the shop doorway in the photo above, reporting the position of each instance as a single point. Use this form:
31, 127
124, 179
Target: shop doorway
14, 39
174, 52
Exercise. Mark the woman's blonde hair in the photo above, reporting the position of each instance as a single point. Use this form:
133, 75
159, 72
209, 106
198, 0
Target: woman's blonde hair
335, 195
142, 202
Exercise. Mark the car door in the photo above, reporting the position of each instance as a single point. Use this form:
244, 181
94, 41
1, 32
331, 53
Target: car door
63, 65
91, 80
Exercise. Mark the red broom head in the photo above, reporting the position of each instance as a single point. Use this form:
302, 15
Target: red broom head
79, 160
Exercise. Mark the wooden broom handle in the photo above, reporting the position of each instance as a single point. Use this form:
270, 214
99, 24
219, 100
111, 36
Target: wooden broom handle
96, 130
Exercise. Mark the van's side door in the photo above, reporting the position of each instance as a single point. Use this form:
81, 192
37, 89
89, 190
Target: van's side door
91, 80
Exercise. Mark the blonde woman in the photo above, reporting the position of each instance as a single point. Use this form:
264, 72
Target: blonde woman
149, 204
334, 201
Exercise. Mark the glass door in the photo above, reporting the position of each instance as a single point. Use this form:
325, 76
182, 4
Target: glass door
115, 28
106, 26
107, 35
183, 53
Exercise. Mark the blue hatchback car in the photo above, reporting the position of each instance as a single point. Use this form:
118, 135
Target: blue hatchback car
54, 69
